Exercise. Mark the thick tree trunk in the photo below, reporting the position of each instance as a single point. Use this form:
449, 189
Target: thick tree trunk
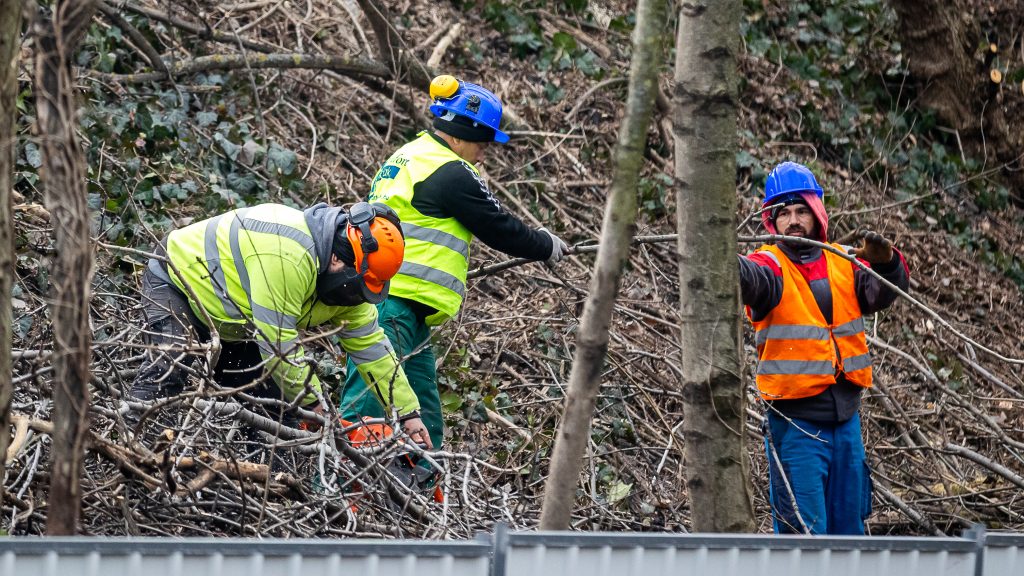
704, 123
63, 175
616, 234
10, 41
940, 39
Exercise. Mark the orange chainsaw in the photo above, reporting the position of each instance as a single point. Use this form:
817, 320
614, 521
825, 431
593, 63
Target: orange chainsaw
406, 467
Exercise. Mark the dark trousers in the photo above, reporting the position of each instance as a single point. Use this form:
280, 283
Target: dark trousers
171, 325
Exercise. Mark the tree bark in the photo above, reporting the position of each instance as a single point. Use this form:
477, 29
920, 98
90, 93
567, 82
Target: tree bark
616, 234
940, 39
10, 42
704, 126
63, 177
401, 60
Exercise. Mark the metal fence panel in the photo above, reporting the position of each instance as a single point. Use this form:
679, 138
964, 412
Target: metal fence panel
1004, 555
229, 557
604, 561
649, 555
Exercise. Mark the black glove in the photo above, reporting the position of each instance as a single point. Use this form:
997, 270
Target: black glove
875, 249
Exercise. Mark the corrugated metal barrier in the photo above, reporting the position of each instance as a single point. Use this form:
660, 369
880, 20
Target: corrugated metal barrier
521, 554
50, 556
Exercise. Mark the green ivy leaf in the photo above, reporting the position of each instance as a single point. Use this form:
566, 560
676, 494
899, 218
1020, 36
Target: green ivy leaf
243, 183
479, 413
22, 326
618, 491
33, 156
205, 119
281, 160
564, 41
745, 159
171, 190
229, 148
451, 401
589, 64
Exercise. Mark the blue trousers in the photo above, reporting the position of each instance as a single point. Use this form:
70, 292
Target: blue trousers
818, 477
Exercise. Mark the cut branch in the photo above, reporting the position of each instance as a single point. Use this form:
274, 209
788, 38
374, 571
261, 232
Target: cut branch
140, 41
202, 31
336, 63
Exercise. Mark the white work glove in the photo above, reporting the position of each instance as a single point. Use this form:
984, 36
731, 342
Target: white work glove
558, 247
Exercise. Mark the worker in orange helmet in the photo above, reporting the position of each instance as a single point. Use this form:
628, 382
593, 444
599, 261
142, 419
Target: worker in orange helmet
262, 274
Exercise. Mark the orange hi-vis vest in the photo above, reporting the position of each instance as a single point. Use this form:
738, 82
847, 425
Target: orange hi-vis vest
799, 354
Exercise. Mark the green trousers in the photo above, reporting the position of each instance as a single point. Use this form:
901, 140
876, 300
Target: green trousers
406, 333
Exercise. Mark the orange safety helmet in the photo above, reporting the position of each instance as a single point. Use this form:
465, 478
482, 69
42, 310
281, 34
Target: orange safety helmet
375, 233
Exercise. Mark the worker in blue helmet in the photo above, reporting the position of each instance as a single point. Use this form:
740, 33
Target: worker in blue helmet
444, 203
466, 110
807, 306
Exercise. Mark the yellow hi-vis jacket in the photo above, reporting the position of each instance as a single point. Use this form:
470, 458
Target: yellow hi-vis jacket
436, 249
799, 354
254, 272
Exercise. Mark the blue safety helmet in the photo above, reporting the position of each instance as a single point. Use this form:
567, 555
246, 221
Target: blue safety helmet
473, 103
787, 178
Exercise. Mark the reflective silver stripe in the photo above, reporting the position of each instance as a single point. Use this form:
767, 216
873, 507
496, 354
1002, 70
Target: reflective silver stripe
790, 332
216, 269
371, 354
433, 275
773, 367
236, 253
359, 332
283, 348
274, 317
438, 237
305, 240
859, 362
851, 328
772, 256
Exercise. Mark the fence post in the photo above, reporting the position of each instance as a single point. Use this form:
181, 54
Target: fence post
977, 533
499, 558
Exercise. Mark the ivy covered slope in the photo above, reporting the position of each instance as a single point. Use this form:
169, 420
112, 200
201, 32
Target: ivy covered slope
822, 82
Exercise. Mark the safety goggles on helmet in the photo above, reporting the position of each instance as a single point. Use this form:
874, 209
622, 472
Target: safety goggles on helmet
781, 202
375, 235
466, 110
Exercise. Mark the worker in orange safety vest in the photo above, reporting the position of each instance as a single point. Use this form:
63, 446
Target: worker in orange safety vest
807, 306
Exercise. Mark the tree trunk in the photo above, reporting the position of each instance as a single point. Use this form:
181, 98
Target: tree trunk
704, 125
63, 176
616, 235
940, 39
10, 42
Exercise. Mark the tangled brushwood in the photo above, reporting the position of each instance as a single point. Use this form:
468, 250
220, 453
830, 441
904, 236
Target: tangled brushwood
943, 426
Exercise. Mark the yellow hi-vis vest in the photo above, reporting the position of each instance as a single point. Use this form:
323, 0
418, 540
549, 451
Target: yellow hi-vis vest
253, 271
799, 354
436, 249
